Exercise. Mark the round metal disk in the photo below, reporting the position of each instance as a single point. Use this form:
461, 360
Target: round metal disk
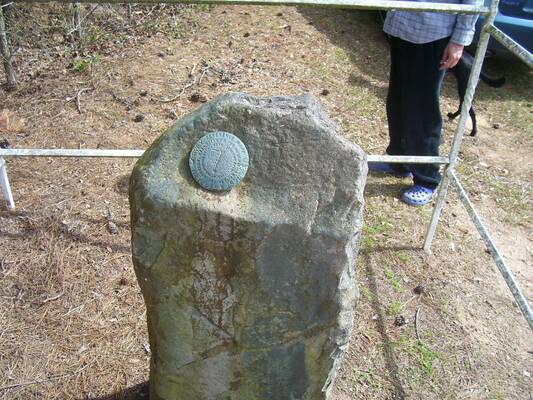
218, 161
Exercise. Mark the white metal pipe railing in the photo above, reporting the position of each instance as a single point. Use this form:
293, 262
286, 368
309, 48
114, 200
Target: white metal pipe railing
127, 153
518, 50
408, 159
121, 153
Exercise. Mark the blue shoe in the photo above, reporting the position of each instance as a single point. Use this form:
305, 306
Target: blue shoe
386, 168
417, 195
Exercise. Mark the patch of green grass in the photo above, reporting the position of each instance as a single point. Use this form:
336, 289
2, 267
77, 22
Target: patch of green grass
403, 257
149, 27
424, 212
393, 280
366, 293
80, 65
370, 379
394, 307
424, 356
92, 34
461, 169
497, 394
323, 72
203, 7
447, 234
414, 383
357, 98
340, 56
372, 50
429, 335
176, 29
519, 114
427, 357
515, 199
380, 225
84, 63
403, 342
226, 26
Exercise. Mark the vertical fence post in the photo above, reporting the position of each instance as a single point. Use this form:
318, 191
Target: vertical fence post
5, 53
4, 184
459, 132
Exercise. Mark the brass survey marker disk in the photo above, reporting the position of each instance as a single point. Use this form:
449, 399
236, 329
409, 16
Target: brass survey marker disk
218, 161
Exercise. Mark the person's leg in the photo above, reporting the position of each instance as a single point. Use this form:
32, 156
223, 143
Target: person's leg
422, 121
394, 109
394, 96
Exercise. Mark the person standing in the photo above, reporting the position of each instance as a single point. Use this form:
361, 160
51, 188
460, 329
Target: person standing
422, 46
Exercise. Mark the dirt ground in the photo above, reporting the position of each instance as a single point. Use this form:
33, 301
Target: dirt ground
72, 320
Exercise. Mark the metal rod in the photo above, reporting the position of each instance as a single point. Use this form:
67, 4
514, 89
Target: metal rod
408, 159
460, 130
348, 4
138, 153
442, 192
519, 297
437, 210
70, 153
511, 45
4, 184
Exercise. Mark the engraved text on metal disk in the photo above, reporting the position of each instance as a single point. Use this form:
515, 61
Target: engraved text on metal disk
218, 161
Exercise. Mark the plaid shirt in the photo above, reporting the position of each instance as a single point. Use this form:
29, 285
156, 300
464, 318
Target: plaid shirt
425, 27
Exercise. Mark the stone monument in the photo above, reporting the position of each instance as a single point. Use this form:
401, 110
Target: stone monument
246, 217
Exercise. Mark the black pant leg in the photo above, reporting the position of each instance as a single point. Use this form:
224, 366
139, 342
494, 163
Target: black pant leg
418, 73
394, 104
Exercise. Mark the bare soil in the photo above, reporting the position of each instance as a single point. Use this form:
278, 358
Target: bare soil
72, 320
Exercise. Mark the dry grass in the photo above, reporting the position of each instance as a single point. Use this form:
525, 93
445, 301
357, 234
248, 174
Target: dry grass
72, 323
10, 123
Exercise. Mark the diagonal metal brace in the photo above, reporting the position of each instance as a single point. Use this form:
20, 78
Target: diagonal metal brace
507, 275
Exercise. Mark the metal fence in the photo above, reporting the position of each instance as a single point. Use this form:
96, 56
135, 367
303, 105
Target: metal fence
449, 161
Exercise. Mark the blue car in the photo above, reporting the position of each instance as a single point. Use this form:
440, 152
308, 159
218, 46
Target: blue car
515, 19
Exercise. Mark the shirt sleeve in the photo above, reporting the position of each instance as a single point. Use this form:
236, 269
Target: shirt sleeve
463, 31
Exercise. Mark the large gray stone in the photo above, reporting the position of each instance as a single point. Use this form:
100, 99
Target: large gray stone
250, 293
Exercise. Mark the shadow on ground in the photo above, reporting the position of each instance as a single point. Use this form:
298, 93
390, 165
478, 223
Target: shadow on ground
360, 35
377, 186
137, 392
387, 347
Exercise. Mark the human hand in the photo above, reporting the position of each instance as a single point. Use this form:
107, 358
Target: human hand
451, 56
